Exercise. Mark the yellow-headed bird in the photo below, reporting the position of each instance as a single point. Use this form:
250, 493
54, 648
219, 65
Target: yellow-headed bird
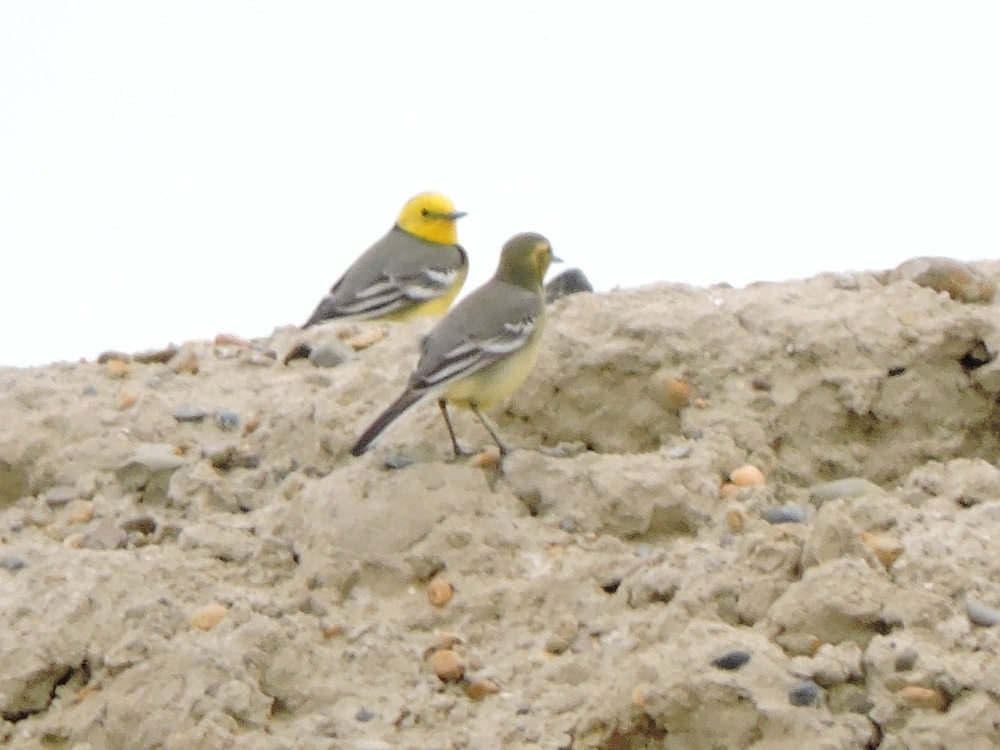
485, 347
416, 269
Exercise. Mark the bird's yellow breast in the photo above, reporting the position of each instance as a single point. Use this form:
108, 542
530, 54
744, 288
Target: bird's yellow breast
499, 380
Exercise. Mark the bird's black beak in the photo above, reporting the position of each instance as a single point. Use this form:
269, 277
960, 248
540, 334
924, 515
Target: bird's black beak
452, 216
556, 258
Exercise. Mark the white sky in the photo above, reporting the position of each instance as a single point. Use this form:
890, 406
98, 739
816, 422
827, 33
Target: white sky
172, 170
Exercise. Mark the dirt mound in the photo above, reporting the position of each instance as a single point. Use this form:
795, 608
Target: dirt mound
189, 558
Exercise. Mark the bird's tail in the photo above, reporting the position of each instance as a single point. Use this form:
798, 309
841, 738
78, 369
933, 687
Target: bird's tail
401, 404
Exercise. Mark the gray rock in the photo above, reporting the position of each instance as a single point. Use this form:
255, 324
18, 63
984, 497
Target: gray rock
227, 420
805, 693
981, 614
843, 488
188, 413
331, 354
789, 513
12, 562
60, 496
570, 281
731, 661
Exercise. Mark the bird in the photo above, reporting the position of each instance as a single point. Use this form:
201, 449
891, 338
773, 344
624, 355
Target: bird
484, 348
415, 270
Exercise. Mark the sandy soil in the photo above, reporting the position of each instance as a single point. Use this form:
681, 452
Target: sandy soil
189, 558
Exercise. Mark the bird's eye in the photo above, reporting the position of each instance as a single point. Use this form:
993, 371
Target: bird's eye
424, 212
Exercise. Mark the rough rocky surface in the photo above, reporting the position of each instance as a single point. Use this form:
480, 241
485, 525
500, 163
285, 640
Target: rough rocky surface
189, 558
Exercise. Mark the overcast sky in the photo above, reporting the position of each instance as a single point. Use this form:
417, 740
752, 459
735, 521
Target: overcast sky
172, 170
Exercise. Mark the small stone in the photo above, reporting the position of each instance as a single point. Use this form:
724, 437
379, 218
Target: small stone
231, 339
981, 614
109, 356
188, 413
251, 425
805, 693
118, 368
89, 390
156, 356
843, 489
488, 458
364, 715
447, 665
799, 644
364, 339
439, 591
12, 562
226, 419
761, 384
563, 635
917, 696
570, 281
60, 496
886, 548
479, 689
747, 476
185, 362
148, 471
731, 660
125, 400
331, 354
208, 616
80, 511
849, 698
673, 392
140, 524
735, 520
846, 281
73, 541
788, 513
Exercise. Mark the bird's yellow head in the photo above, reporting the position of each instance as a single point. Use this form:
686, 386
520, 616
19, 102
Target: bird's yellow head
524, 260
431, 217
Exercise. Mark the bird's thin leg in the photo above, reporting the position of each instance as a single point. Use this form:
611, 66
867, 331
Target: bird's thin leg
459, 450
504, 450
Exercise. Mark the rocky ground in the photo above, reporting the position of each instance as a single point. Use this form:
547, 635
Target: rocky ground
759, 518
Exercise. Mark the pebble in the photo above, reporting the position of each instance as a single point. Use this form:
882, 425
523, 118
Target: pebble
849, 698
125, 400
364, 714
479, 689
12, 562
798, 644
227, 457
886, 548
156, 356
252, 425
674, 393
60, 496
208, 616
906, 659
140, 524
73, 541
185, 362
104, 357
788, 513
90, 390
331, 354
918, 696
80, 511
981, 613
570, 281
363, 340
731, 661
188, 413
447, 665
805, 693
747, 476
842, 489
488, 458
117, 368
735, 520
228, 420
439, 591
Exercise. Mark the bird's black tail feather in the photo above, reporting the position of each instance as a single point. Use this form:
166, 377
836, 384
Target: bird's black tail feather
401, 404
